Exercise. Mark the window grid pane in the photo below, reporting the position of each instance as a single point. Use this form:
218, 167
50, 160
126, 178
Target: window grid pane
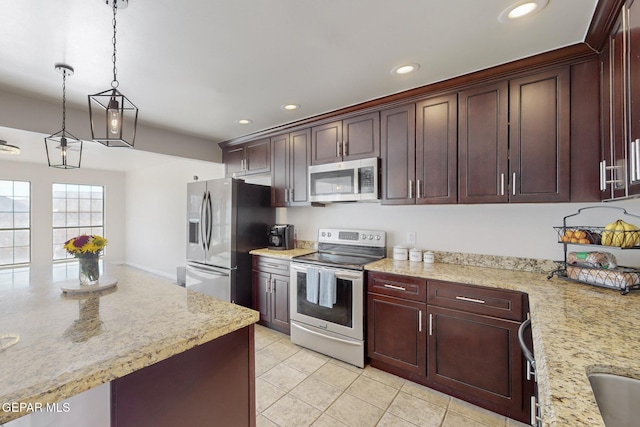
77, 209
15, 222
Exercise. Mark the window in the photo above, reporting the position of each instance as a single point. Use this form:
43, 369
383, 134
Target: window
77, 209
15, 222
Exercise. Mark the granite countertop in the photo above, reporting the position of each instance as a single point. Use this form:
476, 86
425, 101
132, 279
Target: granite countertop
288, 254
69, 344
577, 329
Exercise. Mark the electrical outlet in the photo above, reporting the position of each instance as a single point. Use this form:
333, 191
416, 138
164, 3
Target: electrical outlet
411, 237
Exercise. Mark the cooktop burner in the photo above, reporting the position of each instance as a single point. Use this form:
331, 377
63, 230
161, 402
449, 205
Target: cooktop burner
350, 249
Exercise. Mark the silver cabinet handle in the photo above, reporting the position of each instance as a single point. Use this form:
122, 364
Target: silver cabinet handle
430, 324
286, 195
635, 160
514, 183
502, 184
603, 175
418, 189
272, 265
477, 301
411, 189
399, 288
345, 148
419, 320
291, 194
338, 149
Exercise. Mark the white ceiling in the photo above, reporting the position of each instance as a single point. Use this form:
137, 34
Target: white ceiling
197, 66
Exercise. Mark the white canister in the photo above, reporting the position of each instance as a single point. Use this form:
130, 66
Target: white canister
400, 253
428, 257
415, 255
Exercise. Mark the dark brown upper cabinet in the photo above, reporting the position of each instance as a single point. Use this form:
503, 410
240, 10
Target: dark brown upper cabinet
398, 154
620, 85
349, 139
419, 154
437, 150
290, 157
515, 141
251, 158
483, 144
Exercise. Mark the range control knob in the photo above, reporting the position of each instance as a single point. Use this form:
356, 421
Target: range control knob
370, 236
378, 237
329, 234
323, 234
363, 236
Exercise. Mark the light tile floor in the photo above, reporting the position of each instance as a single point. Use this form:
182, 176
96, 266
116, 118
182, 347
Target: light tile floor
297, 387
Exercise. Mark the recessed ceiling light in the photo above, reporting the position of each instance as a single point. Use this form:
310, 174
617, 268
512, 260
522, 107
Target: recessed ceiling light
290, 107
521, 9
405, 69
244, 121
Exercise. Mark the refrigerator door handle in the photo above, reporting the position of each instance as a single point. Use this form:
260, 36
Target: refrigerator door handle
202, 223
210, 269
209, 220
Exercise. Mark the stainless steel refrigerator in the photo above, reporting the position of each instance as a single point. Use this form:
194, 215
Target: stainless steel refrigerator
226, 219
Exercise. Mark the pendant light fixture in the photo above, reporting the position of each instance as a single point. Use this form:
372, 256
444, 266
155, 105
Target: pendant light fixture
6, 148
64, 150
113, 117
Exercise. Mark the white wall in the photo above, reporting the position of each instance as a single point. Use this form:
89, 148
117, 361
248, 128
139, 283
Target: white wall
42, 177
156, 200
519, 230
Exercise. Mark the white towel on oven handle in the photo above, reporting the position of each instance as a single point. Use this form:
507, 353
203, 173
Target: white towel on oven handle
328, 289
312, 284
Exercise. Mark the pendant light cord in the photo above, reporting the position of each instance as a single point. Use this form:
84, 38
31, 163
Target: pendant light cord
114, 83
64, 100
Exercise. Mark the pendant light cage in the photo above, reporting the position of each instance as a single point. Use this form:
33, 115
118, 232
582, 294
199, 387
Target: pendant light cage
64, 151
114, 118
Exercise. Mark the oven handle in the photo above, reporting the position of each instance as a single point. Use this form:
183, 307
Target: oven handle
340, 274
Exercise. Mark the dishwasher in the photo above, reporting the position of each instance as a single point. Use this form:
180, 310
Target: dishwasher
209, 280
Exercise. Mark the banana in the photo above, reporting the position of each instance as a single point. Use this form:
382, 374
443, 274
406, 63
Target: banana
630, 235
621, 234
607, 235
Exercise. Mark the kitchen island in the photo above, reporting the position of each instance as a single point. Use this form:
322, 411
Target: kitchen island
167, 352
577, 329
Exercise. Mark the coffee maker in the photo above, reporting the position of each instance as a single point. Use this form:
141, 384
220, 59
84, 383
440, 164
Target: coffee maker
281, 237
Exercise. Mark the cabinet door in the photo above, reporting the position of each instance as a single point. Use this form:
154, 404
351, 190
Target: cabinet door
280, 303
326, 143
539, 140
280, 170
633, 23
258, 156
617, 111
483, 144
478, 357
361, 137
396, 333
398, 155
233, 159
299, 159
261, 296
436, 150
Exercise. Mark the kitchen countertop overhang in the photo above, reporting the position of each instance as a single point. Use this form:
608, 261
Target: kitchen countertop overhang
69, 344
577, 329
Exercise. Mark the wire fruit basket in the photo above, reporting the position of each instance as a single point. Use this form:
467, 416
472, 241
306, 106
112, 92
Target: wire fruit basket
595, 266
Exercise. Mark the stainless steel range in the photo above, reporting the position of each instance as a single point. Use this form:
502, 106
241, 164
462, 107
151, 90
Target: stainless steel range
327, 292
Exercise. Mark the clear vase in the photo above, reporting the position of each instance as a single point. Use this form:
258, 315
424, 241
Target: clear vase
89, 269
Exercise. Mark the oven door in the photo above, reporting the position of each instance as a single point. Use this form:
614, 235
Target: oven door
345, 316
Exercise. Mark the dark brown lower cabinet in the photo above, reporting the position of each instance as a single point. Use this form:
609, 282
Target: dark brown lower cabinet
210, 384
478, 359
395, 333
456, 338
270, 283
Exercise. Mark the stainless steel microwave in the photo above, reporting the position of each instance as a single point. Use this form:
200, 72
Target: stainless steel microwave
350, 181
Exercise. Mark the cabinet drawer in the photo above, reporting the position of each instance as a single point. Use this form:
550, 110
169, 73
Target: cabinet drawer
411, 288
271, 265
499, 303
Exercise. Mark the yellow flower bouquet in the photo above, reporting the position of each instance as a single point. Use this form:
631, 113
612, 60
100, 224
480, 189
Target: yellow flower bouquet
87, 249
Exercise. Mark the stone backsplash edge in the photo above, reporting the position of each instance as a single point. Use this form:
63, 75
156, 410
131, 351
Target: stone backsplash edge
532, 265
